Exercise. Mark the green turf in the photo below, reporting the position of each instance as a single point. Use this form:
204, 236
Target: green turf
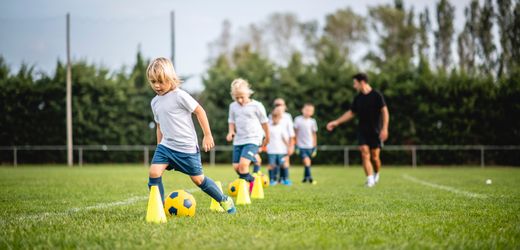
37, 210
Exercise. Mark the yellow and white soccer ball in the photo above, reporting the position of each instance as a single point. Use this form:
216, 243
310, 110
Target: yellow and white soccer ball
233, 187
180, 203
265, 180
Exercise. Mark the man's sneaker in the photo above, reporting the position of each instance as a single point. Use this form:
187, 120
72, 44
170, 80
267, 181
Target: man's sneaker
228, 205
287, 182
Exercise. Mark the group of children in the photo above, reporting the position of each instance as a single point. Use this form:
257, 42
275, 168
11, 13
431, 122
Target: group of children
252, 132
250, 129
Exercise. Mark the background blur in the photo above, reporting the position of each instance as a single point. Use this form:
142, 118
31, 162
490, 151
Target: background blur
449, 70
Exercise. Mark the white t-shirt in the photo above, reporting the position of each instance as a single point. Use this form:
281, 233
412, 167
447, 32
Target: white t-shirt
278, 139
172, 112
304, 127
287, 122
248, 121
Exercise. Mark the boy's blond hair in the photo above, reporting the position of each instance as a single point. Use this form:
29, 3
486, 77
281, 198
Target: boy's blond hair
161, 69
240, 85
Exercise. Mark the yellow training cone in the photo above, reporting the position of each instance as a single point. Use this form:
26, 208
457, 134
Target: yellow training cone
243, 193
215, 206
155, 212
258, 189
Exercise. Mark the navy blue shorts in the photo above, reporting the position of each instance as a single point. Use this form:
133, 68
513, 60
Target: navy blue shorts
188, 163
247, 151
276, 159
306, 152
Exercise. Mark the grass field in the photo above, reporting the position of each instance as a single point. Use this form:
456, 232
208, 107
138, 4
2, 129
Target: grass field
104, 207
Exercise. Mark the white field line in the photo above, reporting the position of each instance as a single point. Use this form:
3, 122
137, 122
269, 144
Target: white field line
100, 206
445, 188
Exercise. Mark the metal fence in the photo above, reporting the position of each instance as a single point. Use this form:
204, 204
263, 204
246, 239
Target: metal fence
344, 149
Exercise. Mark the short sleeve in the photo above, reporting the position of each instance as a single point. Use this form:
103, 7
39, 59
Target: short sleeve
354, 106
314, 126
231, 114
296, 123
155, 116
187, 101
261, 113
290, 126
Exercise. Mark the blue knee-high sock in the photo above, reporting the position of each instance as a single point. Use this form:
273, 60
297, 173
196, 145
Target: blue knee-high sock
307, 172
286, 173
247, 176
256, 168
209, 187
282, 173
157, 182
275, 173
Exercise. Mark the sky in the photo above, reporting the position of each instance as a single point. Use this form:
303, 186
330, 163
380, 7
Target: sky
109, 32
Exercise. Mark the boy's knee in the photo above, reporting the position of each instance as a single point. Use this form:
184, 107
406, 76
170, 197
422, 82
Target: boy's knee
197, 180
155, 171
375, 158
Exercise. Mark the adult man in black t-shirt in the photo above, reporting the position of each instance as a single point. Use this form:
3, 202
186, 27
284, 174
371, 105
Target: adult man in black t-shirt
369, 105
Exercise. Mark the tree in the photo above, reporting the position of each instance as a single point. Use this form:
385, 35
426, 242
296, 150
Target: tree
485, 38
283, 30
467, 39
345, 28
424, 30
396, 33
505, 20
444, 33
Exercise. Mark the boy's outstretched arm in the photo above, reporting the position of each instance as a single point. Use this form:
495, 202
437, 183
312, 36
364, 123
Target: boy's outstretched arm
159, 133
207, 141
265, 127
342, 119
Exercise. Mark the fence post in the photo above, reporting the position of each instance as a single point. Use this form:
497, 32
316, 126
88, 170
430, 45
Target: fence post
414, 156
146, 156
212, 157
346, 162
482, 159
15, 156
80, 156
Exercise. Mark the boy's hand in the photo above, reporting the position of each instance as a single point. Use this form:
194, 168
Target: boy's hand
290, 151
266, 141
314, 152
331, 125
208, 143
229, 137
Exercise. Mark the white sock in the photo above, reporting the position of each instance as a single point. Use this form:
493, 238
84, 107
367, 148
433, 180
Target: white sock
376, 177
370, 179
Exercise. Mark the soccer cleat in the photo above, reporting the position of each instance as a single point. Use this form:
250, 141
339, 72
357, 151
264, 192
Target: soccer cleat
305, 180
273, 183
376, 178
287, 182
370, 184
313, 182
228, 205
